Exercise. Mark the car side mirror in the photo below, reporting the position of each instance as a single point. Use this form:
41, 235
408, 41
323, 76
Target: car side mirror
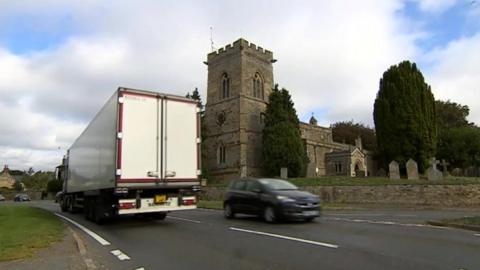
257, 190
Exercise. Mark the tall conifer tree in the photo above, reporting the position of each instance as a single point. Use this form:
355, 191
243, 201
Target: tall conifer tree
404, 115
282, 143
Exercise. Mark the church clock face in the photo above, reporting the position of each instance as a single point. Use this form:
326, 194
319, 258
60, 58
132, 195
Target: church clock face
221, 118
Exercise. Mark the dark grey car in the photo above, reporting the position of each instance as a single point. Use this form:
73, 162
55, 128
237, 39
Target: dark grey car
273, 199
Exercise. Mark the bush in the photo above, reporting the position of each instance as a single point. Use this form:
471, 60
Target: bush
54, 186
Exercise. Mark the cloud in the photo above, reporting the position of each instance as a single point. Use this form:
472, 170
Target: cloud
331, 56
455, 73
436, 6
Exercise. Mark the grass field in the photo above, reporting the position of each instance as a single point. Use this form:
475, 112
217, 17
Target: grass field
23, 230
370, 181
470, 221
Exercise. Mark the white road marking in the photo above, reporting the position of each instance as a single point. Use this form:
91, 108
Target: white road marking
369, 215
95, 236
477, 234
353, 214
286, 237
386, 223
140, 268
120, 255
184, 219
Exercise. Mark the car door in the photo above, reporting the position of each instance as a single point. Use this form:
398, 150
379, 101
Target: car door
236, 196
253, 193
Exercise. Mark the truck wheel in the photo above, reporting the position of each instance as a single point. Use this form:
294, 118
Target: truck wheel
63, 205
158, 215
87, 208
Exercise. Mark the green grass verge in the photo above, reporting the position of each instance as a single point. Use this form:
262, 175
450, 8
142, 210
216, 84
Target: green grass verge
370, 181
23, 230
210, 204
469, 221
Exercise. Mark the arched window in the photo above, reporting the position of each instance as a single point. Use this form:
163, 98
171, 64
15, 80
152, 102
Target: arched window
257, 86
225, 86
221, 154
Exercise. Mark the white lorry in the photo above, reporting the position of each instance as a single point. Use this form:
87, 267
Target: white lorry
139, 155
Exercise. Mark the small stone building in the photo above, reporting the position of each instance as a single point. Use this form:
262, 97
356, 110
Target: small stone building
6, 180
240, 79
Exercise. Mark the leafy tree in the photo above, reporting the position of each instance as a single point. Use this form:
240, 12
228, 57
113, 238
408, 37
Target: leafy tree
404, 116
195, 96
37, 181
282, 143
451, 114
30, 171
460, 146
54, 185
458, 140
16, 172
18, 186
348, 131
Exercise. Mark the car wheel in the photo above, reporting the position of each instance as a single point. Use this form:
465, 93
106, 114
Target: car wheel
228, 211
269, 214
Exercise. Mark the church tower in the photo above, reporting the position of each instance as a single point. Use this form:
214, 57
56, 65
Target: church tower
240, 79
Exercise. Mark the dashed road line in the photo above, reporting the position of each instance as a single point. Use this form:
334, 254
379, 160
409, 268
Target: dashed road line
184, 219
140, 268
286, 237
95, 236
120, 255
477, 234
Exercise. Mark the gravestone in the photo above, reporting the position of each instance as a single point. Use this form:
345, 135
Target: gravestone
457, 172
412, 170
471, 171
284, 173
444, 167
393, 170
433, 173
381, 172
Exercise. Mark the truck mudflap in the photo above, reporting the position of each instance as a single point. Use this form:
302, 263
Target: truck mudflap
156, 204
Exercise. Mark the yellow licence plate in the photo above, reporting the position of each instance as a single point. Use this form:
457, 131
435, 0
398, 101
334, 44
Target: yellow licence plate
160, 198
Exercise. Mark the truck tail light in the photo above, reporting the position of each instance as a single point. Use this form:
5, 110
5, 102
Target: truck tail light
189, 201
126, 205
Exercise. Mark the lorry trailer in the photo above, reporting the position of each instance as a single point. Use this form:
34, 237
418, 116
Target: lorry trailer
139, 155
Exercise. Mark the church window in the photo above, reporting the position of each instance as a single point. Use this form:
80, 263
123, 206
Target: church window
338, 167
221, 118
225, 86
257, 86
221, 154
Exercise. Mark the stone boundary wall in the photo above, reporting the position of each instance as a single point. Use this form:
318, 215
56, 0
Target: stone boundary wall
34, 195
433, 195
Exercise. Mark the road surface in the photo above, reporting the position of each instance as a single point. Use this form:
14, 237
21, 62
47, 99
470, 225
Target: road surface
203, 239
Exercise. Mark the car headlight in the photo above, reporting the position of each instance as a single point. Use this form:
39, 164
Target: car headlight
285, 198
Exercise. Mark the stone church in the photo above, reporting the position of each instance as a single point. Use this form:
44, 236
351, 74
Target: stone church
240, 79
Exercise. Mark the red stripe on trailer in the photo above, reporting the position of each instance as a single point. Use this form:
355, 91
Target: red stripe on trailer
120, 128
126, 92
198, 144
153, 180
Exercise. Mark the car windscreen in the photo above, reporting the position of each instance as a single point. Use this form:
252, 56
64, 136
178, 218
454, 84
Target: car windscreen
276, 184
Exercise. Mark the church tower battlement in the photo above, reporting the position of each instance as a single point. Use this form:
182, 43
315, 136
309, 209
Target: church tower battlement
240, 79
